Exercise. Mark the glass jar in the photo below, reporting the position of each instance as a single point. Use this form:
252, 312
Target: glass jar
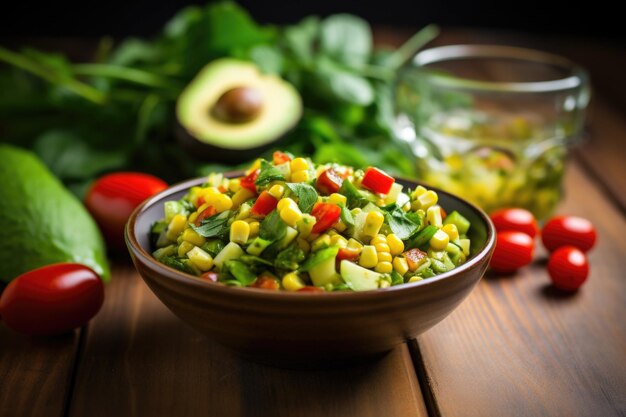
492, 124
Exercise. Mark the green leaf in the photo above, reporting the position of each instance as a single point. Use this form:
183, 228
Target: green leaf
253, 260
269, 59
348, 87
346, 38
214, 226
272, 227
241, 272
354, 198
346, 216
396, 278
268, 173
319, 257
306, 195
300, 38
422, 238
290, 258
398, 221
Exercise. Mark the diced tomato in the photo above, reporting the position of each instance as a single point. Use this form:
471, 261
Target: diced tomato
377, 181
443, 213
222, 189
414, 257
264, 204
346, 253
280, 158
209, 276
207, 212
266, 282
248, 182
328, 182
310, 288
326, 215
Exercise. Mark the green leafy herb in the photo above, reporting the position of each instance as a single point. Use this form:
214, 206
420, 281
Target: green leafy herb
399, 222
346, 216
242, 273
396, 278
306, 195
290, 258
319, 257
353, 196
423, 237
214, 226
268, 174
272, 227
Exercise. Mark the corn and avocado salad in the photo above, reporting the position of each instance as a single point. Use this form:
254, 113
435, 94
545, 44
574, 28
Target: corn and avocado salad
290, 225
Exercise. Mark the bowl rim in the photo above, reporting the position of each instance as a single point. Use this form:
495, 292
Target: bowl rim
187, 279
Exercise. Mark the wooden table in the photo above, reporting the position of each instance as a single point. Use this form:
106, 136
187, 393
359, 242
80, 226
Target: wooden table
515, 347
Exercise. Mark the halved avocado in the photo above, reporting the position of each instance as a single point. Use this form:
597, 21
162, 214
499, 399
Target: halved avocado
231, 111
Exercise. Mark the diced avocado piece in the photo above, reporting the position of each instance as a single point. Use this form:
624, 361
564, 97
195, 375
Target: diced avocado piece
461, 223
257, 246
230, 251
359, 278
325, 273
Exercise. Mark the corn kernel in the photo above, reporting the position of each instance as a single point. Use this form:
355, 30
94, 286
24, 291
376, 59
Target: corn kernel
305, 225
193, 216
223, 203
239, 232
292, 282
234, 185
340, 226
191, 236
284, 202
176, 227
451, 230
384, 257
338, 199
200, 258
373, 222
291, 214
332, 232
320, 243
338, 240
304, 245
439, 241
378, 239
355, 244
418, 192
298, 164
277, 191
415, 278
396, 246
383, 267
369, 257
241, 197
400, 265
382, 247
433, 216
300, 176
185, 247
428, 199
254, 229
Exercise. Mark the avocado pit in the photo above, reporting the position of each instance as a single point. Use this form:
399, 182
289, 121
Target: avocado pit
238, 105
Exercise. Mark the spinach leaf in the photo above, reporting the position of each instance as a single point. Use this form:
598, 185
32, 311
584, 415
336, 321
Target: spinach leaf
346, 216
214, 226
347, 86
272, 227
241, 272
268, 174
346, 38
319, 257
398, 221
306, 195
354, 198
290, 258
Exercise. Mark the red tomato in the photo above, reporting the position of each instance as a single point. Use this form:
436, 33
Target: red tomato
516, 219
264, 204
346, 253
206, 213
377, 181
568, 230
513, 251
414, 258
113, 197
248, 182
210, 276
52, 299
328, 182
326, 215
266, 283
310, 288
280, 158
568, 268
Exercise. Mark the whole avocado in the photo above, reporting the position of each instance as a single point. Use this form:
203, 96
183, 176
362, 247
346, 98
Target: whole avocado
41, 222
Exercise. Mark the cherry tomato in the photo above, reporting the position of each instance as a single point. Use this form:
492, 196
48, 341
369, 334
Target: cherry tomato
206, 213
264, 204
267, 283
52, 299
112, 198
377, 181
280, 158
328, 182
210, 276
310, 288
513, 251
248, 182
516, 219
326, 215
568, 268
568, 230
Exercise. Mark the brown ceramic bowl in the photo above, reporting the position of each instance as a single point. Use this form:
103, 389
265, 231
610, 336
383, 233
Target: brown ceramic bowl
296, 329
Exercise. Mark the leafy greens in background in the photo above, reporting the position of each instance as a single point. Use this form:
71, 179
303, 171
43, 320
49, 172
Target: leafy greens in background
117, 112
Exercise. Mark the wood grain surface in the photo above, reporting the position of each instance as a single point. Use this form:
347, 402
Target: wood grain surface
141, 360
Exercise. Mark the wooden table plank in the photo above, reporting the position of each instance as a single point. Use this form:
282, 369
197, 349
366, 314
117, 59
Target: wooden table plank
35, 373
516, 346
139, 359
